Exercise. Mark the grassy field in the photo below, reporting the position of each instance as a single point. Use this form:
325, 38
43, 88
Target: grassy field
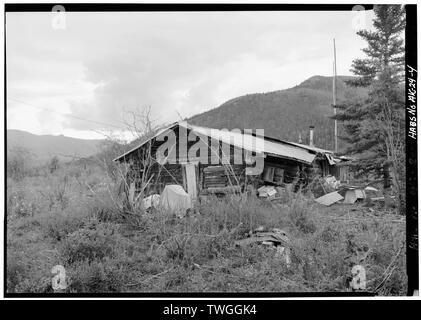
73, 217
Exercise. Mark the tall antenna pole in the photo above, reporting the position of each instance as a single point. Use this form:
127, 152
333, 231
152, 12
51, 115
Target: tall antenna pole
334, 95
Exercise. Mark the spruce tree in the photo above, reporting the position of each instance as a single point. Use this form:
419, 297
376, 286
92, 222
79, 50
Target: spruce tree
374, 126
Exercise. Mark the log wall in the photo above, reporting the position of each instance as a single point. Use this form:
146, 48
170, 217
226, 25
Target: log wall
213, 174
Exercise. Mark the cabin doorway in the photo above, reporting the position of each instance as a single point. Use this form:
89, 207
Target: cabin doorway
190, 179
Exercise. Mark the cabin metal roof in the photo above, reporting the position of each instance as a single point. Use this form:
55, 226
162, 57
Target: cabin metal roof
259, 144
255, 143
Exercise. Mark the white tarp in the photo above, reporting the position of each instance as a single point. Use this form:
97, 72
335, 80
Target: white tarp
175, 200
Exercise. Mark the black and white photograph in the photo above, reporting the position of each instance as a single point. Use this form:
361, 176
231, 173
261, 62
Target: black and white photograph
210, 150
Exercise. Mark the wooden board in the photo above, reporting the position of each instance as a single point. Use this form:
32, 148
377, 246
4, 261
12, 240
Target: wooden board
190, 170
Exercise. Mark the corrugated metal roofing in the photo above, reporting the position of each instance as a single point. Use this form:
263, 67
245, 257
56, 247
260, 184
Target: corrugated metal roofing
244, 141
319, 150
254, 144
330, 198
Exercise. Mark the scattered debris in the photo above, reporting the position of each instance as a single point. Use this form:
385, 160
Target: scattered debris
223, 190
266, 191
260, 237
353, 194
371, 193
349, 193
330, 198
377, 199
151, 202
381, 199
284, 253
276, 238
281, 190
369, 188
174, 199
332, 183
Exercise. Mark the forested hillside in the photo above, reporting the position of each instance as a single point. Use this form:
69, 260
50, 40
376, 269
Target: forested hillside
284, 113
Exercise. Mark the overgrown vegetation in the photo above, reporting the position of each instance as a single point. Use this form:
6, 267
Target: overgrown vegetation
71, 216
83, 215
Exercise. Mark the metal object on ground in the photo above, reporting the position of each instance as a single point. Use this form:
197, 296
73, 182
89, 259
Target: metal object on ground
330, 198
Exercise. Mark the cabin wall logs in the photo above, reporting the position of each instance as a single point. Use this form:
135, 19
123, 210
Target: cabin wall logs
213, 174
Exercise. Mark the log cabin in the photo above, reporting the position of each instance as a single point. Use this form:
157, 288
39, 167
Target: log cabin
205, 160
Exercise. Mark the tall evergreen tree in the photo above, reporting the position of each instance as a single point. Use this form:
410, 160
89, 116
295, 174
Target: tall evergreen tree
374, 127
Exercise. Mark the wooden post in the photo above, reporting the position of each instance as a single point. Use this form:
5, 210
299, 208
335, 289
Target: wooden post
334, 95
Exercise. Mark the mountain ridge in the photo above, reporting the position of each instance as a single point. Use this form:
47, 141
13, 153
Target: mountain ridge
283, 114
287, 113
44, 147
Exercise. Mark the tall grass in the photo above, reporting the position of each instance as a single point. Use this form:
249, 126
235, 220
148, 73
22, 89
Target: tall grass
79, 223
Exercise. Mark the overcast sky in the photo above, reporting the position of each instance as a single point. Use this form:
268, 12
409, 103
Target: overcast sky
104, 65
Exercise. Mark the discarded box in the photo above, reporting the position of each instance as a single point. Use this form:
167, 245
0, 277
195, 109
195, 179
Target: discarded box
266, 191
351, 195
277, 239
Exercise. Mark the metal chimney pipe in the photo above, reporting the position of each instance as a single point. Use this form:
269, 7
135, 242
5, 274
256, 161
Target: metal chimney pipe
311, 141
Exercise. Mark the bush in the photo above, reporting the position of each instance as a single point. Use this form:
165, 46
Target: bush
95, 277
299, 215
16, 272
18, 163
27, 272
94, 241
240, 214
57, 224
104, 208
20, 201
186, 249
57, 219
53, 164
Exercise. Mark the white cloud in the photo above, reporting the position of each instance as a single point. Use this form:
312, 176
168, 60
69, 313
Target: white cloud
105, 63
